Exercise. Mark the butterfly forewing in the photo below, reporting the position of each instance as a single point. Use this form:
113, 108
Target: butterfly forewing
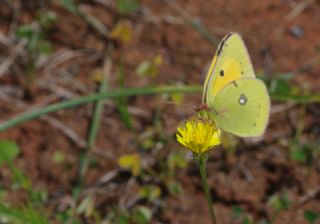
231, 62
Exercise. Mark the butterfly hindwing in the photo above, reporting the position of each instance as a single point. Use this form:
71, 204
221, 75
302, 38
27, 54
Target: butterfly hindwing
242, 107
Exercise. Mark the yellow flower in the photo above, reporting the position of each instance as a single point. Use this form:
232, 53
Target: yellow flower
198, 134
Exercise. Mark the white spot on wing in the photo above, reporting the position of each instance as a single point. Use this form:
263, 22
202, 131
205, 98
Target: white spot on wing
243, 99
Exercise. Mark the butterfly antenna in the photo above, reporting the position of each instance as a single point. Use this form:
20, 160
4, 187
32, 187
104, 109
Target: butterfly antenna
182, 104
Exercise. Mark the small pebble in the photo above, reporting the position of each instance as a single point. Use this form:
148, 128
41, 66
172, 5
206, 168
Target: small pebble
297, 31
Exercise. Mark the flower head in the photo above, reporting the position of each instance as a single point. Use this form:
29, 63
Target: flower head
198, 134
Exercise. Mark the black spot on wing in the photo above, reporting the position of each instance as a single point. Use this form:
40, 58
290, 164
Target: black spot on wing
221, 72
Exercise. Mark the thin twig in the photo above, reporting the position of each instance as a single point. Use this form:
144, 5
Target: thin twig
16, 10
106, 3
6, 64
61, 56
81, 11
309, 196
125, 202
71, 134
94, 22
101, 183
281, 107
298, 9
306, 66
107, 177
199, 27
5, 40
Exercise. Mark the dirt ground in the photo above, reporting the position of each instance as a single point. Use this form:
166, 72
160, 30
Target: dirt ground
280, 39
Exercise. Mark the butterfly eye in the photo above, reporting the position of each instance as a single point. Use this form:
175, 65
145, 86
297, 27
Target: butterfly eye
221, 73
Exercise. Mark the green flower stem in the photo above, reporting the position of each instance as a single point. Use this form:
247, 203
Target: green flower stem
202, 168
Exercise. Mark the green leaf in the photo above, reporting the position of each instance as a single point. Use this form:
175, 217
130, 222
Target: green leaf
143, 68
58, 157
246, 220
47, 19
174, 188
280, 202
150, 192
148, 143
280, 86
127, 6
122, 102
86, 207
237, 212
263, 221
25, 214
70, 6
298, 154
310, 216
141, 214
122, 32
67, 216
43, 47
301, 152
177, 98
9, 150
150, 67
39, 196
122, 219
147, 68
34, 40
25, 31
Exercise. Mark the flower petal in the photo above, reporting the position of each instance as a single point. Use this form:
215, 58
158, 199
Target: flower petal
198, 134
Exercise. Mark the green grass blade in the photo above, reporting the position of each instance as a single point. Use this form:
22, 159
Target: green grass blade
24, 214
122, 102
196, 25
95, 124
303, 99
93, 97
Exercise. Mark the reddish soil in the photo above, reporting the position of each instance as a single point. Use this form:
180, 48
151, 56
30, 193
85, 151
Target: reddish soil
247, 179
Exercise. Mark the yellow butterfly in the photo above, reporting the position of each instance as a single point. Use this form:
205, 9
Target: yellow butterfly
239, 102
